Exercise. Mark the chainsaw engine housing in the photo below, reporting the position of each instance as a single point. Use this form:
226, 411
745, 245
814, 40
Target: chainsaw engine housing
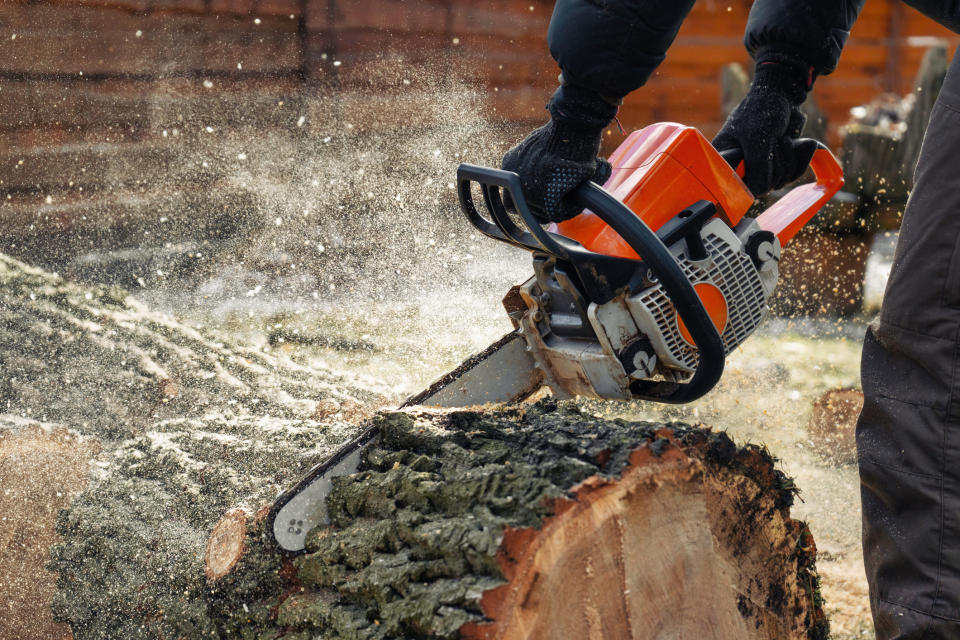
664, 243
601, 349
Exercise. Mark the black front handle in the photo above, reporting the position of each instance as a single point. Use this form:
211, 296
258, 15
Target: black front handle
654, 254
733, 156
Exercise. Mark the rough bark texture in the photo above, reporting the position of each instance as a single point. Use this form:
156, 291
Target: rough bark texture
93, 357
444, 530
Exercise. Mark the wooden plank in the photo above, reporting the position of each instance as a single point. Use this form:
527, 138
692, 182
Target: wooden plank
237, 7
317, 14
80, 105
87, 167
376, 59
505, 20
406, 16
62, 230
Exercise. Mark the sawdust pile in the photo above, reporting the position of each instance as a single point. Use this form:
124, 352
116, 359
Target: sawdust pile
194, 422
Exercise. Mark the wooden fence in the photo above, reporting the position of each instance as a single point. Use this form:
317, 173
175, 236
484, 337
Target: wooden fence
102, 101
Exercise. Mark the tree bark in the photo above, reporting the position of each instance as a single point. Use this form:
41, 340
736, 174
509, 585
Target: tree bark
93, 357
188, 426
541, 522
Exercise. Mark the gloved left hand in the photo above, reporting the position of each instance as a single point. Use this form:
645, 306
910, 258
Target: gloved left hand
556, 158
767, 123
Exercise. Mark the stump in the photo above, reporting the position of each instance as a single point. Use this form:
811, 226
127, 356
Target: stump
882, 142
833, 423
539, 522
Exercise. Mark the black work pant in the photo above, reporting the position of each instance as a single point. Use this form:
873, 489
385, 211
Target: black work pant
908, 435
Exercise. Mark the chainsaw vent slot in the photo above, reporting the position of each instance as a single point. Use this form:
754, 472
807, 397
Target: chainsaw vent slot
736, 277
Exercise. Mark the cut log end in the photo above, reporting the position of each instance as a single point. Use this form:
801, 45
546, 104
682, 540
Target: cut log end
226, 544
650, 550
509, 525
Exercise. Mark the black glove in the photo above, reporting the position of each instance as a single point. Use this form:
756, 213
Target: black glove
767, 122
554, 159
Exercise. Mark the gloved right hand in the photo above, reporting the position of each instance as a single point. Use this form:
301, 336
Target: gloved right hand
556, 158
767, 123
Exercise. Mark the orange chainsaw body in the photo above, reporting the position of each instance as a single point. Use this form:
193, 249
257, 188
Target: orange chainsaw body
662, 169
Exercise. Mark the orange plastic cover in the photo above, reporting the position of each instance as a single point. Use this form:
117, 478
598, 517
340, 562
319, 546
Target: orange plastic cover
658, 172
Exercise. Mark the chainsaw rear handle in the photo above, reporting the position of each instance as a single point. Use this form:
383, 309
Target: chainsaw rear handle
653, 253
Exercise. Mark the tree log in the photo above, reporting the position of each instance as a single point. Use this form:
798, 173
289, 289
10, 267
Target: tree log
188, 426
487, 523
536, 522
117, 366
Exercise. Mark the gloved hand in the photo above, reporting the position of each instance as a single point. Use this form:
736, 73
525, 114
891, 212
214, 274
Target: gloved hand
554, 159
768, 121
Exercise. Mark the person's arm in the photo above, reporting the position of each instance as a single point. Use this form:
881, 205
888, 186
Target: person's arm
792, 42
612, 47
605, 50
811, 31
946, 12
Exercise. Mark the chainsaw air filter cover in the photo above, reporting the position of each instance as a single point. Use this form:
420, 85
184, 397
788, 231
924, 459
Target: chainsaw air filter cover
657, 172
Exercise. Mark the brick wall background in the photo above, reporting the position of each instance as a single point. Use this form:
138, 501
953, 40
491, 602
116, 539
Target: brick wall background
125, 123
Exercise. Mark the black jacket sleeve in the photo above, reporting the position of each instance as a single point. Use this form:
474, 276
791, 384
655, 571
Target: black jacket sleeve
946, 12
612, 46
814, 30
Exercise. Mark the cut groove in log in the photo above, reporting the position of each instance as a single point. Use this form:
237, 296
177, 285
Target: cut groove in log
543, 522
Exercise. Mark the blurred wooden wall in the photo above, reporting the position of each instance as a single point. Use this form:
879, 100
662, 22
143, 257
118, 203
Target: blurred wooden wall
106, 105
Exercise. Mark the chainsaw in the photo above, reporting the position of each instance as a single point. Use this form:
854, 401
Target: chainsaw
641, 296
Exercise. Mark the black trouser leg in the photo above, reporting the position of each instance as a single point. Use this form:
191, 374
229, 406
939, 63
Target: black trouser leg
908, 435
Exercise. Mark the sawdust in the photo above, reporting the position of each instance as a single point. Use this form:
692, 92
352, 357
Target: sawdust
42, 467
766, 397
168, 403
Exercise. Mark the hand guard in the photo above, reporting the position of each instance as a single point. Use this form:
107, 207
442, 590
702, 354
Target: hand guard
767, 122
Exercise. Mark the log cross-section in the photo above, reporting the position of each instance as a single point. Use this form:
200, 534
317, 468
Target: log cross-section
225, 546
653, 554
